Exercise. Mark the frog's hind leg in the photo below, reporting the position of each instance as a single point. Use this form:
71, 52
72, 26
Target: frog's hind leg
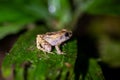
40, 48
45, 47
42, 44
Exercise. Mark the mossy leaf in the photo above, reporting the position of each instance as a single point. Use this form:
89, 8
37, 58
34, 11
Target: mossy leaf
42, 65
33, 64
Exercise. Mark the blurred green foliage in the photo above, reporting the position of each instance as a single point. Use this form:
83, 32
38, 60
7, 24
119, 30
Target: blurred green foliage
104, 7
107, 30
57, 14
28, 11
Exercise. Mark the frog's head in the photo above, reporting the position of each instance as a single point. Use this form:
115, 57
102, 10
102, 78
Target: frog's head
67, 34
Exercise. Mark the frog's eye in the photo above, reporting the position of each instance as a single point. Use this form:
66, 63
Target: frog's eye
66, 34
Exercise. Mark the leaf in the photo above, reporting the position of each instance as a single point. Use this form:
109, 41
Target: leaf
12, 20
94, 71
14, 17
18, 11
11, 28
13, 10
33, 64
50, 64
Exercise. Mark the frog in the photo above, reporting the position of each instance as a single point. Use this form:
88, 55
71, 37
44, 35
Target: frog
47, 41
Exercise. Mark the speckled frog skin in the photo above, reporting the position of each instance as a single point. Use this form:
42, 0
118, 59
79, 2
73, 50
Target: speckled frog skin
46, 41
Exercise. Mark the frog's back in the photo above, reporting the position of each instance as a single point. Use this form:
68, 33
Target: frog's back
54, 39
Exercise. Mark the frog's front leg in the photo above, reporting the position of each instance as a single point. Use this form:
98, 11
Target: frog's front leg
58, 49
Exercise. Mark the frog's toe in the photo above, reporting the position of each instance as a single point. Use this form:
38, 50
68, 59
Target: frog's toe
60, 53
51, 52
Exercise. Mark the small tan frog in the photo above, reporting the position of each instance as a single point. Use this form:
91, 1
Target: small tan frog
46, 41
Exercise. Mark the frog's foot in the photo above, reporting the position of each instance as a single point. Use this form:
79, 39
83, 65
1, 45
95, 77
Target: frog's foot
61, 53
50, 52
46, 51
